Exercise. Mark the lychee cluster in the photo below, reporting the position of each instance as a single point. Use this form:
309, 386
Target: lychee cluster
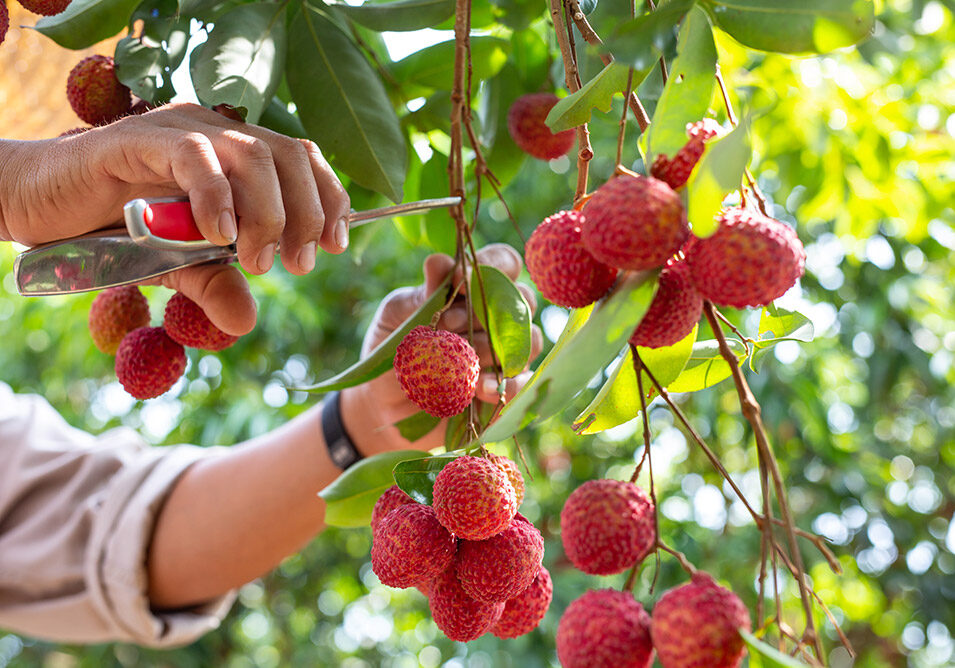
525, 123
438, 370
479, 562
149, 360
635, 223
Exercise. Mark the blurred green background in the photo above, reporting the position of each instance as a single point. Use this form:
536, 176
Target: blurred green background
856, 148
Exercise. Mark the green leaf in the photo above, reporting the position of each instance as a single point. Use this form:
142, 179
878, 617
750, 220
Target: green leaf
777, 325
351, 497
619, 400
706, 366
415, 426
717, 174
416, 477
139, 64
508, 320
85, 22
343, 104
807, 26
576, 109
241, 63
641, 41
688, 91
582, 351
276, 116
433, 66
382, 357
764, 656
398, 16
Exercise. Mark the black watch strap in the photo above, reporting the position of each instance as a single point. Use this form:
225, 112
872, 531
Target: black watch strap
340, 447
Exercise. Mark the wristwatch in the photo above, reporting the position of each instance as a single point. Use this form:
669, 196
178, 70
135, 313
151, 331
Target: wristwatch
341, 449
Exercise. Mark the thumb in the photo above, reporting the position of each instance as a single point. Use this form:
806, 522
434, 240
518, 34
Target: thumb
221, 291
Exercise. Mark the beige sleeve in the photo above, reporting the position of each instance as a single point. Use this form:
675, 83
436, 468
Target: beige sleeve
76, 517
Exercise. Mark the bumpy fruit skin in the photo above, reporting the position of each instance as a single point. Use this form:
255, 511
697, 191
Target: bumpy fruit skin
607, 526
501, 567
187, 323
438, 370
561, 267
750, 260
674, 311
473, 498
524, 612
409, 547
114, 313
697, 625
675, 172
509, 466
458, 615
604, 628
95, 93
634, 222
390, 499
525, 122
148, 362
45, 7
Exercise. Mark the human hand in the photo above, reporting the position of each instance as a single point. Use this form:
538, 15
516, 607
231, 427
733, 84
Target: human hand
370, 410
246, 184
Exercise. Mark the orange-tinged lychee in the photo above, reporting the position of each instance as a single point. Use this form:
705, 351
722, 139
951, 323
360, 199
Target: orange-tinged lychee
114, 313
459, 616
473, 498
676, 171
524, 612
390, 499
674, 311
500, 567
409, 546
188, 324
525, 122
95, 93
438, 370
604, 628
148, 362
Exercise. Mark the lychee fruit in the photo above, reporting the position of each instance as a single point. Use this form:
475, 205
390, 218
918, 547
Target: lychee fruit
676, 171
473, 498
561, 267
45, 7
604, 628
114, 313
148, 362
509, 466
501, 567
188, 324
459, 616
749, 261
409, 546
95, 93
525, 122
438, 370
674, 311
524, 612
390, 499
697, 624
634, 222
607, 526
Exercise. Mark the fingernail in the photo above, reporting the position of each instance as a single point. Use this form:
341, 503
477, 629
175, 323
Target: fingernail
266, 258
341, 233
227, 226
306, 256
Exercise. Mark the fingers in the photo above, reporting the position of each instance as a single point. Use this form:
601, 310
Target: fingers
221, 291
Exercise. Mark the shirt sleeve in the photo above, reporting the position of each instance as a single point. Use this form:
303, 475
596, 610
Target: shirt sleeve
76, 516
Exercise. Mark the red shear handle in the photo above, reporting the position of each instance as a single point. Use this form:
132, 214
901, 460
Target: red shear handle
171, 220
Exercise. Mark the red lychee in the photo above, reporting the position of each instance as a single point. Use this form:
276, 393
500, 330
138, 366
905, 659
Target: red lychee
524, 612
675, 172
525, 122
458, 615
674, 311
500, 567
607, 526
188, 324
95, 93
750, 260
390, 499
473, 498
604, 628
509, 466
697, 624
409, 546
45, 7
438, 370
114, 313
561, 267
148, 362
634, 222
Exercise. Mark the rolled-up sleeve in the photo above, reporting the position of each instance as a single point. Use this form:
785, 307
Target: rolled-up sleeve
76, 516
